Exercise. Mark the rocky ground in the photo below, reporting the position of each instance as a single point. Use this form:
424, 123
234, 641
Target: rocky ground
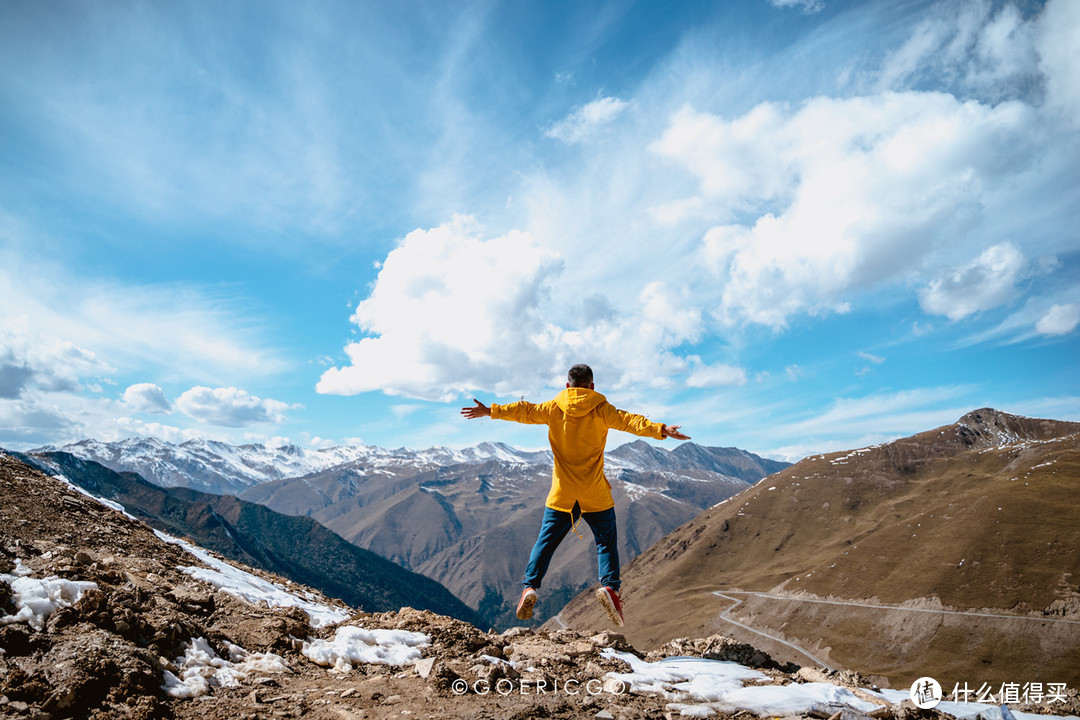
108, 655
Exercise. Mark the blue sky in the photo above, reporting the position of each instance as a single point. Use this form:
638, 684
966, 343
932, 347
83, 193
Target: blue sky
789, 226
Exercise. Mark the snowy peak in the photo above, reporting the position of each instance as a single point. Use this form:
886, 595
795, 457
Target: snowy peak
732, 462
213, 466
640, 455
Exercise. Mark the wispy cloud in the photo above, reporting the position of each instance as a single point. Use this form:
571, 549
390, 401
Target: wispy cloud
807, 6
586, 121
858, 421
183, 330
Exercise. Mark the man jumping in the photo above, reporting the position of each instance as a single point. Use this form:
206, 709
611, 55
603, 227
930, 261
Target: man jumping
578, 419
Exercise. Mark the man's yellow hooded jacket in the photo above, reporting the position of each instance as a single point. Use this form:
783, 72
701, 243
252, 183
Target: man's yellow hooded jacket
578, 420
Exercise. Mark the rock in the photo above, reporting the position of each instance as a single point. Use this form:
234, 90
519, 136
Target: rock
442, 678
423, 667
516, 632
604, 715
811, 675
492, 650
717, 647
83, 558
88, 669
610, 639
72, 502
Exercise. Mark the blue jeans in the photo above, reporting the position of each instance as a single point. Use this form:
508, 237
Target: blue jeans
553, 529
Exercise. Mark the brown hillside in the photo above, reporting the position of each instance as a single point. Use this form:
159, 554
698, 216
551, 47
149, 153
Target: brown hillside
980, 515
471, 526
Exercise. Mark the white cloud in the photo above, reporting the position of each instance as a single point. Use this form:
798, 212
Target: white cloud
229, 407
986, 282
32, 419
875, 359
1059, 56
1059, 320
711, 376
452, 313
102, 327
31, 359
884, 416
147, 398
585, 121
124, 427
806, 6
968, 48
847, 194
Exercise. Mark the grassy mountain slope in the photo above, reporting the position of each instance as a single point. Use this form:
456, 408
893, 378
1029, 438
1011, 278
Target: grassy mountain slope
982, 515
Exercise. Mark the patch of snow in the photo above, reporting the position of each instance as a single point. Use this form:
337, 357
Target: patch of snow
682, 678
250, 588
702, 688
636, 492
961, 710
201, 668
36, 599
353, 644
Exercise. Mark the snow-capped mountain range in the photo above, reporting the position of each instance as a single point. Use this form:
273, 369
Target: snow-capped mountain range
222, 468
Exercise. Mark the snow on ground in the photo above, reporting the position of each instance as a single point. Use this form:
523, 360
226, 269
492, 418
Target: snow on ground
702, 688
107, 503
352, 644
36, 599
250, 588
201, 668
636, 492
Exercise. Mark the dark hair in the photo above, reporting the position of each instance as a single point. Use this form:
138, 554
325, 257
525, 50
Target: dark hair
580, 376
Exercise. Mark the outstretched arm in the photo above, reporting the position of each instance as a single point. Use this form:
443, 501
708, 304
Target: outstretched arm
638, 424
672, 431
481, 410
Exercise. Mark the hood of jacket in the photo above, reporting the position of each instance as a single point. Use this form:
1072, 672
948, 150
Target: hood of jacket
577, 402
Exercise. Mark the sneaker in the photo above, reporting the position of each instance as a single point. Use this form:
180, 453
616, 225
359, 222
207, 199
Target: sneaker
525, 604
609, 598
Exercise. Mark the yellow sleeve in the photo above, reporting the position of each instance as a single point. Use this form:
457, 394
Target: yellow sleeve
522, 412
630, 422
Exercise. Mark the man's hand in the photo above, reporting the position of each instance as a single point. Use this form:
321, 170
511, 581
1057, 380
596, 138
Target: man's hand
672, 432
471, 413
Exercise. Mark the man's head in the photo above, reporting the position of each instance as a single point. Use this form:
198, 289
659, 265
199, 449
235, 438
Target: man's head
580, 376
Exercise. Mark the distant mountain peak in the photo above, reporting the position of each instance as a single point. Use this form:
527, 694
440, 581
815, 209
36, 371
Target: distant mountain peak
992, 428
